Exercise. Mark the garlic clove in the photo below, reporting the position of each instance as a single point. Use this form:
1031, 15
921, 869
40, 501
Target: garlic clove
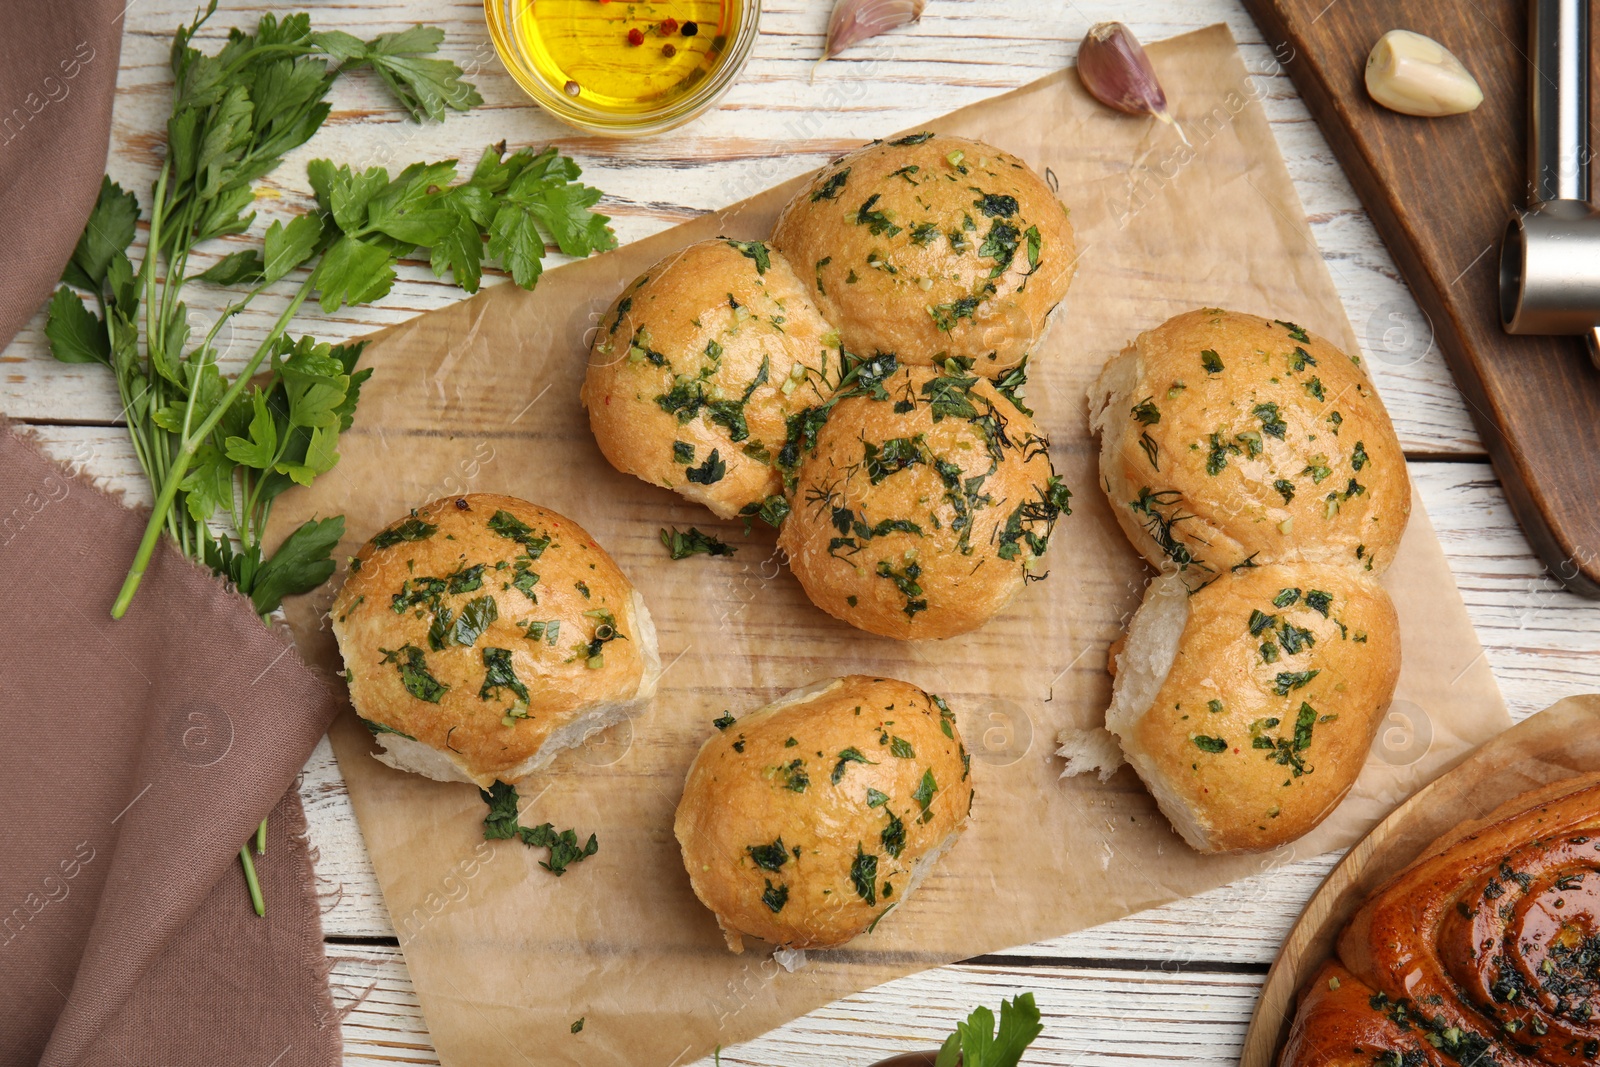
1416, 75
1114, 69
854, 21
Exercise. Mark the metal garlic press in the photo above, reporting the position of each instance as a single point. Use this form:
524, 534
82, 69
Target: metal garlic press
1550, 261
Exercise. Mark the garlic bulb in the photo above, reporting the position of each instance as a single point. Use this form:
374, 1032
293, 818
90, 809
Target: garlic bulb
1113, 67
854, 21
1416, 75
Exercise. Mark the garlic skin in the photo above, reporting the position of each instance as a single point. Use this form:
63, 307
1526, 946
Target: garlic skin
1416, 75
854, 21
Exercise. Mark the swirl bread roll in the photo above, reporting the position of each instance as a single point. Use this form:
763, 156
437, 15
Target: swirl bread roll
483, 634
1227, 437
803, 823
695, 370
932, 247
1482, 951
1248, 706
925, 504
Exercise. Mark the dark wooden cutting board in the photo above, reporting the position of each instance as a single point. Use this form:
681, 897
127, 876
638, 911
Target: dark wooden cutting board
1440, 192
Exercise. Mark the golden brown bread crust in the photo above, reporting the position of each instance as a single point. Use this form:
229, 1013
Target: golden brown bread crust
482, 625
804, 822
1266, 715
708, 353
1487, 944
1338, 1025
923, 507
930, 247
1226, 436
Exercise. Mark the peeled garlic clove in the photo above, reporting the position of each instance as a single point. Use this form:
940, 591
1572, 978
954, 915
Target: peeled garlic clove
1416, 75
854, 21
1115, 70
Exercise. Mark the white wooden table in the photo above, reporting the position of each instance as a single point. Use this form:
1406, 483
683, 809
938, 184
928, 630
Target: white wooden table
1176, 984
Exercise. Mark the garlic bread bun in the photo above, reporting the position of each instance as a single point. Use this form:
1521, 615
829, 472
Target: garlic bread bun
696, 367
924, 505
1249, 706
932, 247
482, 635
804, 822
1226, 437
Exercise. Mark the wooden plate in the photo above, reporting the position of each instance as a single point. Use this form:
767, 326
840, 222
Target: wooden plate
1560, 742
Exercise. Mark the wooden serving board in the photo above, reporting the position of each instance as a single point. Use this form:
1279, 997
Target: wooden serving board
1440, 192
1562, 741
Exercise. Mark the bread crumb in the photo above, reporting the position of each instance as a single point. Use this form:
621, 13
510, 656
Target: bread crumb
1095, 749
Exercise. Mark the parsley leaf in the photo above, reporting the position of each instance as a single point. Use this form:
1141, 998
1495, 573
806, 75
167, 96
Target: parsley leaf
681, 544
976, 1043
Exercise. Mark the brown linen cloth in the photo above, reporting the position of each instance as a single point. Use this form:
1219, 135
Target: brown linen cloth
58, 74
139, 754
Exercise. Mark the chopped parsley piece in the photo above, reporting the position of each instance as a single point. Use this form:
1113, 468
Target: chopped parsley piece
563, 846
548, 632
901, 749
1290, 680
462, 630
724, 721
465, 580
864, 876
775, 896
501, 822
924, 233
795, 778
1294, 331
769, 857
523, 580
894, 836
509, 526
682, 452
1272, 422
830, 189
874, 218
1211, 361
380, 728
1318, 468
577, 1027
412, 529
499, 674
1215, 707
1000, 245
1298, 360
412, 663
710, 472
1217, 456
681, 544
996, 205
1259, 621
1293, 638
1146, 411
1209, 744
1358, 458
847, 757
1285, 489
1314, 389
906, 582
911, 139
945, 316
1319, 601
754, 250
1285, 597
924, 793
876, 798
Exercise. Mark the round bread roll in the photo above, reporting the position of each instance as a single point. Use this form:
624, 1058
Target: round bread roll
1227, 437
1248, 707
924, 506
932, 247
482, 635
803, 823
698, 365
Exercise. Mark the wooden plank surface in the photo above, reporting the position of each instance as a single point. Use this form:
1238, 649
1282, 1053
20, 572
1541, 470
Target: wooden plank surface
1440, 193
1173, 984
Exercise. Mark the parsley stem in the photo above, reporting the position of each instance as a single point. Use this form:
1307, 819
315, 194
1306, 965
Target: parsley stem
191, 444
261, 838
256, 902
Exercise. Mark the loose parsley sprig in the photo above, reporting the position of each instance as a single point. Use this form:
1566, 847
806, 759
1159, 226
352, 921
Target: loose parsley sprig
976, 1044
218, 450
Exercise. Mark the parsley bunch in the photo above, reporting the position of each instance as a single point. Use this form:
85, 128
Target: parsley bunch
218, 449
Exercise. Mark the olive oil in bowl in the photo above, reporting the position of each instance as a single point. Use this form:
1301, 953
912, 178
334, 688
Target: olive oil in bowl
626, 68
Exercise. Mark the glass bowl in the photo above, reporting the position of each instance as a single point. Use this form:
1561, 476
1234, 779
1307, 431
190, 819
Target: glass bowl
620, 68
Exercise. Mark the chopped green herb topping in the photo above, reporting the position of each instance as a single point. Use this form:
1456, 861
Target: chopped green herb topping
710, 472
1211, 361
500, 674
1272, 422
830, 189
563, 846
864, 875
756, 251
847, 757
1319, 601
412, 529
1291, 680
769, 857
775, 896
1146, 412
412, 663
681, 544
1209, 744
509, 526
894, 836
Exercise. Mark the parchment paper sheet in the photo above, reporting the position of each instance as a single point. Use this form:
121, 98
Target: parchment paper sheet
483, 396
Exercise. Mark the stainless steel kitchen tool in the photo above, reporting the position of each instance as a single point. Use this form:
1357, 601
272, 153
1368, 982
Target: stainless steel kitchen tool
1550, 260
